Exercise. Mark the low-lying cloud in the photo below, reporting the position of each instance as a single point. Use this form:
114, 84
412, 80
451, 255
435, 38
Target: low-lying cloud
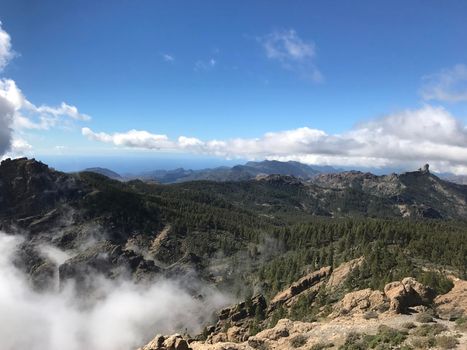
410, 138
123, 317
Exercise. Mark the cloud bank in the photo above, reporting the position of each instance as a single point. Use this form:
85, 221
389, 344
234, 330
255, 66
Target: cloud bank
124, 317
411, 137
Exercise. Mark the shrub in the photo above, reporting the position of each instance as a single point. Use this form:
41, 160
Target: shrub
353, 342
321, 346
423, 343
424, 317
298, 341
426, 330
461, 323
386, 338
409, 325
439, 282
446, 342
385, 335
370, 314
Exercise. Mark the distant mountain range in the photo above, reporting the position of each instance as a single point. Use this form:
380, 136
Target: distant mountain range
248, 171
241, 172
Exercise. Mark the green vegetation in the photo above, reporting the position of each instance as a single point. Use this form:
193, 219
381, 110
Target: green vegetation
393, 249
439, 282
409, 325
282, 243
426, 330
321, 346
386, 338
446, 342
461, 323
424, 317
423, 343
273, 245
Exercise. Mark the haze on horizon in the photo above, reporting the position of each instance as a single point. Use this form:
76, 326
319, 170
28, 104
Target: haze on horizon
361, 85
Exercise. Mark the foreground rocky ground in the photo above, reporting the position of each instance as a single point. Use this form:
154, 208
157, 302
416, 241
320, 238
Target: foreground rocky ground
406, 315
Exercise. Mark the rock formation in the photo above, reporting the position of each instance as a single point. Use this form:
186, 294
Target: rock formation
454, 303
407, 293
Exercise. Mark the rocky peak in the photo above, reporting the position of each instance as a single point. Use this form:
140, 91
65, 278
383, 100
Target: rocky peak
29, 188
425, 169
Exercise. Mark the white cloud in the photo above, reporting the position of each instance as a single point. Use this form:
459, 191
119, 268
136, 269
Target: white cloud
292, 52
29, 116
411, 137
449, 85
167, 57
17, 113
6, 52
205, 65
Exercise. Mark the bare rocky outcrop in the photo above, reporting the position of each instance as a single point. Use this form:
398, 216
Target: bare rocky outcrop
340, 274
454, 303
171, 342
348, 317
359, 302
234, 321
398, 297
313, 279
407, 293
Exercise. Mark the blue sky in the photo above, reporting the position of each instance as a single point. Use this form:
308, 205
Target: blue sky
218, 70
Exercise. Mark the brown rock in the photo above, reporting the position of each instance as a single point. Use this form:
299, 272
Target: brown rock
281, 330
301, 285
407, 293
235, 334
340, 274
217, 338
397, 296
359, 302
454, 303
173, 342
181, 344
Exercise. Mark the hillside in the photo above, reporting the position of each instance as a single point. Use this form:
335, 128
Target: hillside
106, 172
240, 237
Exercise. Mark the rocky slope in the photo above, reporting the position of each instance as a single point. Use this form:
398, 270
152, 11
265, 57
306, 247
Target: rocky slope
406, 315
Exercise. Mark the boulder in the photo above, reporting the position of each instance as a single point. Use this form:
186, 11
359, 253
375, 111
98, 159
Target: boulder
172, 342
359, 302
